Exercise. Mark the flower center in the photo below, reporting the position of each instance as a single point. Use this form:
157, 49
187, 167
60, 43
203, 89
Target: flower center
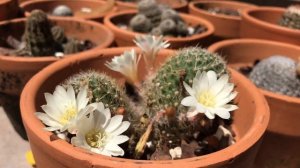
96, 138
69, 114
207, 99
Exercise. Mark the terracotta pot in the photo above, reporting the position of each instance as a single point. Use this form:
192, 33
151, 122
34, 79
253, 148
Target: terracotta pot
125, 37
8, 9
77, 6
16, 71
250, 121
225, 26
179, 5
262, 23
280, 147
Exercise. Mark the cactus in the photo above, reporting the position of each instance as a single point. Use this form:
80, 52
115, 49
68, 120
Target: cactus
151, 10
38, 37
58, 34
156, 31
140, 23
170, 14
62, 10
165, 89
168, 27
291, 18
73, 46
277, 74
182, 29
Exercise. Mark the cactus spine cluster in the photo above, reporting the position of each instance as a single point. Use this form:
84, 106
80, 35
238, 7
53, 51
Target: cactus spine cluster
277, 74
291, 18
165, 89
158, 20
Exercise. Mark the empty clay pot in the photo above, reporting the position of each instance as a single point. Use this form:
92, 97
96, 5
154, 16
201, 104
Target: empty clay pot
179, 5
225, 26
86, 9
125, 37
8, 9
16, 71
262, 23
250, 120
280, 146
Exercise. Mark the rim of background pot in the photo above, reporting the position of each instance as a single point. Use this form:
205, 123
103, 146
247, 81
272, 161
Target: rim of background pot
5, 9
239, 42
247, 15
21, 63
28, 6
225, 26
132, 5
131, 34
35, 126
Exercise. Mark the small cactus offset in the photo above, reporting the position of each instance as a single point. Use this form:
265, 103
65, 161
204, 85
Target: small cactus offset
101, 88
291, 18
277, 74
140, 23
38, 37
73, 46
165, 90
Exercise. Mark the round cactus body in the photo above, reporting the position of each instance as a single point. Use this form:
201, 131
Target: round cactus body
168, 27
58, 34
62, 10
291, 18
165, 89
277, 74
140, 23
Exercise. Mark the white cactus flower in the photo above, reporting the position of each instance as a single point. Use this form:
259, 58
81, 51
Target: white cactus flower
150, 45
210, 95
99, 133
63, 109
126, 64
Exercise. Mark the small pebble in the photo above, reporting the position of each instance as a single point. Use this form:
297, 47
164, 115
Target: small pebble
86, 10
62, 10
59, 54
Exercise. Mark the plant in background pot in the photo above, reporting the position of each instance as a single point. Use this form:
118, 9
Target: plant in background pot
179, 29
179, 5
27, 46
224, 15
86, 9
268, 23
177, 107
275, 70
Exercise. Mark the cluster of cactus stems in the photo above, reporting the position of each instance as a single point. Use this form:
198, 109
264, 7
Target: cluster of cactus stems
158, 20
43, 39
158, 120
291, 17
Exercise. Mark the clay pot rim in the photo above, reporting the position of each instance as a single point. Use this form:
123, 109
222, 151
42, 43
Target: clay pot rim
246, 14
192, 5
131, 34
267, 93
134, 5
4, 2
25, 4
48, 59
27, 105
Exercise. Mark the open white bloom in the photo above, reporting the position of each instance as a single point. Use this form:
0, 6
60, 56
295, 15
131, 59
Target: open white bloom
126, 64
63, 109
100, 133
150, 45
210, 95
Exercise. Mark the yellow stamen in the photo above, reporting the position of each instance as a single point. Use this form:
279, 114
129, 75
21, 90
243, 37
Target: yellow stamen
207, 99
69, 114
96, 138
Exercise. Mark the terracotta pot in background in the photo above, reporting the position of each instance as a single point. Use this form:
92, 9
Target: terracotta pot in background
16, 71
262, 23
250, 121
8, 9
125, 37
280, 147
77, 7
179, 5
225, 26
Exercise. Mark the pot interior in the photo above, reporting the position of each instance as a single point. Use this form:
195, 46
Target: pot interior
268, 16
220, 4
244, 118
77, 7
81, 30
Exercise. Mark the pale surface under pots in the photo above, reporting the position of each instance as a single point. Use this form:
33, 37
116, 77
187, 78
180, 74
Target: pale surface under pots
250, 121
280, 146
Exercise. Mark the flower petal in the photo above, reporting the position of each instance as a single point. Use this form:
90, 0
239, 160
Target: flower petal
189, 101
212, 77
114, 149
220, 84
221, 112
189, 89
115, 122
226, 100
119, 139
46, 119
122, 128
209, 114
82, 99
